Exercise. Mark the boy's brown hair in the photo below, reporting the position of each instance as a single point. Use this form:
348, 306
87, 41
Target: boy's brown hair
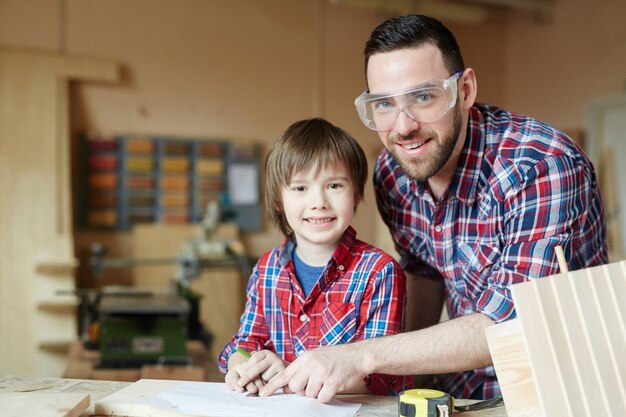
311, 143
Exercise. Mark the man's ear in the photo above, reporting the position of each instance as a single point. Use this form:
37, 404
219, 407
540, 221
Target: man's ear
468, 89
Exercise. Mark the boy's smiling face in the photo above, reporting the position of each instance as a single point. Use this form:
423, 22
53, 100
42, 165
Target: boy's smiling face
319, 205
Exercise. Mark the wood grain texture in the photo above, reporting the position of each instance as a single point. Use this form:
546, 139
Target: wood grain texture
128, 402
38, 404
573, 329
35, 208
506, 345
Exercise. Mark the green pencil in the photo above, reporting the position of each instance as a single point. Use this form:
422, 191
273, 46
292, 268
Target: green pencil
244, 352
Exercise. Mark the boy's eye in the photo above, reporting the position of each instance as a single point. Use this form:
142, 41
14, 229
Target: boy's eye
335, 186
298, 188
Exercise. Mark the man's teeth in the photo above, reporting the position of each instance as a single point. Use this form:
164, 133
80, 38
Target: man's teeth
413, 146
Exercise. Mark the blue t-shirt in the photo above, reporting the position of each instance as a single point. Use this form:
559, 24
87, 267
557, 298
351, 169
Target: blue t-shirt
307, 275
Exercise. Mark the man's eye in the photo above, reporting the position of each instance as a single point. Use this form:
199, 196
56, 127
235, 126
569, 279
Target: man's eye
422, 98
382, 106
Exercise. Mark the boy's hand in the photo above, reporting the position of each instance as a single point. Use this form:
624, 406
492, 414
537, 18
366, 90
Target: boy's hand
264, 364
235, 373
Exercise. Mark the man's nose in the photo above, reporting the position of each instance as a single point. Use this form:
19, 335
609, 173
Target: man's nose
405, 123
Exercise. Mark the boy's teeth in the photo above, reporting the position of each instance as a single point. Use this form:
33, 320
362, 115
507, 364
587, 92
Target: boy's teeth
319, 221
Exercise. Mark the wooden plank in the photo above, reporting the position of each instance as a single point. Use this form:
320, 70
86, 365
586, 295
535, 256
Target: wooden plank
573, 328
549, 297
571, 321
373, 405
36, 246
541, 352
614, 315
39, 404
129, 401
506, 345
599, 341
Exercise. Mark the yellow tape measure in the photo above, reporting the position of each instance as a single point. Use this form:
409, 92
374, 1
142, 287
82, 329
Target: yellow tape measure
433, 403
424, 403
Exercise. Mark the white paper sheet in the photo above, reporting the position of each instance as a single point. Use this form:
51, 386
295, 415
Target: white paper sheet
215, 400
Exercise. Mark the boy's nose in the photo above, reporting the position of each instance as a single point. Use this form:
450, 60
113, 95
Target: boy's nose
319, 200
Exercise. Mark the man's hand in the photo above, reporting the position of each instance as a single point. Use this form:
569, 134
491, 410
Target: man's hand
320, 373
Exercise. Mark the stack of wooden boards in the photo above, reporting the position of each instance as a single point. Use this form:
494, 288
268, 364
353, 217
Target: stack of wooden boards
565, 353
43, 404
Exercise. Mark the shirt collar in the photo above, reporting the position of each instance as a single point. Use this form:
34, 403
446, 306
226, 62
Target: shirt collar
343, 250
464, 183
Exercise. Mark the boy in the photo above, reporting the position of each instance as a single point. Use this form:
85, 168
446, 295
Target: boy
322, 286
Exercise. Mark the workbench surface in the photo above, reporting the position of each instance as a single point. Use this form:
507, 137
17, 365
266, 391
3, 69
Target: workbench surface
373, 406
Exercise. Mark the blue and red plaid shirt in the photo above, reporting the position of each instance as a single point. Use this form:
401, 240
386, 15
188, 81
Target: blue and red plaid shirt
520, 189
359, 295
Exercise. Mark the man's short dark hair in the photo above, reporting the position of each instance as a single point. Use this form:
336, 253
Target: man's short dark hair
415, 31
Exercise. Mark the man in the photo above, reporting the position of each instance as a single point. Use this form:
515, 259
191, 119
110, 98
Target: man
476, 199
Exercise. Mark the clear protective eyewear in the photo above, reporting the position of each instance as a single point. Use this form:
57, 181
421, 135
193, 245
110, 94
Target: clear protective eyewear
424, 103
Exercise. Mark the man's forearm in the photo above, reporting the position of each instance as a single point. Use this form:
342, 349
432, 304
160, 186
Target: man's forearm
456, 345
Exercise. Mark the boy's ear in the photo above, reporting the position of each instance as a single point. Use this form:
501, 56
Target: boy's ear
357, 201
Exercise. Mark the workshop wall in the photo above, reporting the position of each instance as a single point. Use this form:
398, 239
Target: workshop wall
246, 69
556, 67
242, 70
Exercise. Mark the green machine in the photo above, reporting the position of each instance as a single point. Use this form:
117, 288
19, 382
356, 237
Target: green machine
136, 329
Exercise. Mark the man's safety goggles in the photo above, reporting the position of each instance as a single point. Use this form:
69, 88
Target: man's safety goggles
424, 103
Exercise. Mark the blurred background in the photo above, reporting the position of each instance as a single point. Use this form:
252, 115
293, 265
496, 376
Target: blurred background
77, 74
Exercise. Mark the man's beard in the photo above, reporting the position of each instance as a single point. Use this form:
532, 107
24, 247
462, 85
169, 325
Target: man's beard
422, 167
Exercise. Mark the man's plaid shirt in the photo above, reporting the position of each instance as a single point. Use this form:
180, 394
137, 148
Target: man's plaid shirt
521, 188
359, 295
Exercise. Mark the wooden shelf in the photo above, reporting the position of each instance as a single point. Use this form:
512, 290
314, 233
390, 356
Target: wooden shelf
57, 267
58, 305
60, 345
129, 180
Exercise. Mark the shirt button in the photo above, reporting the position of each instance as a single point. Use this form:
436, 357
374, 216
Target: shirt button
437, 228
340, 267
303, 318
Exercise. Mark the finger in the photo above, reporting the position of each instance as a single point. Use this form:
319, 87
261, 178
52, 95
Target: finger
260, 364
327, 393
278, 381
313, 388
298, 380
259, 383
231, 381
257, 357
271, 371
251, 387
